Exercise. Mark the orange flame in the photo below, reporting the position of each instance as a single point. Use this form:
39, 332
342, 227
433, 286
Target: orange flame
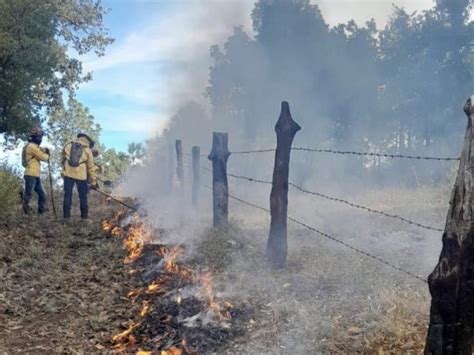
145, 308
172, 351
135, 236
125, 333
158, 285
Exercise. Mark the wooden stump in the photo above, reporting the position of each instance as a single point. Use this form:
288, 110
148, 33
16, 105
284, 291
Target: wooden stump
277, 245
451, 329
220, 189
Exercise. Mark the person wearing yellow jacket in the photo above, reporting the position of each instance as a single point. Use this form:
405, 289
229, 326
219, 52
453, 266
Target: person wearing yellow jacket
78, 168
32, 156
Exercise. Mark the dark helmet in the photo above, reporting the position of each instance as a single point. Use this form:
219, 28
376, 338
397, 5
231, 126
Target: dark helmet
91, 141
36, 132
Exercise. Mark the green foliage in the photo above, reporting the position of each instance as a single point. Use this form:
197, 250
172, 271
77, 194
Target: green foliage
10, 187
113, 163
36, 66
65, 123
136, 152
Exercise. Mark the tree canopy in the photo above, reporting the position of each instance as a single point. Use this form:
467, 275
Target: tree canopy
399, 88
40, 43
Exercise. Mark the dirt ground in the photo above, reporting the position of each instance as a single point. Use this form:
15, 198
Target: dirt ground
63, 286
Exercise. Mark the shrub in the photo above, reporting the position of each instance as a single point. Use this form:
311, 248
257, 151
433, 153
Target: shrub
10, 187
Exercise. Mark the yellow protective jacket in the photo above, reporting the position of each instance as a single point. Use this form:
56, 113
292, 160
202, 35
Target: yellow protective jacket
34, 156
86, 169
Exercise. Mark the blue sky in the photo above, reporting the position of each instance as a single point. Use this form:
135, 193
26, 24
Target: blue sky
160, 57
122, 93
158, 60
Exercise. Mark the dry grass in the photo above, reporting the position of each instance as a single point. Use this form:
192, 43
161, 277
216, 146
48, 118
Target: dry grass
401, 328
63, 286
217, 247
330, 299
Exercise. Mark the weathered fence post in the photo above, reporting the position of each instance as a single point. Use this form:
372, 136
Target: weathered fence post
277, 245
196, 153
451, 329
220, 190
179, 163
171, 166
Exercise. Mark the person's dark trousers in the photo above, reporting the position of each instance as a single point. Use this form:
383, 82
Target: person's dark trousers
82, 190
34, 183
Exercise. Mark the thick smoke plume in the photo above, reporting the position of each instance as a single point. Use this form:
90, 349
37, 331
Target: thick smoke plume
395, 89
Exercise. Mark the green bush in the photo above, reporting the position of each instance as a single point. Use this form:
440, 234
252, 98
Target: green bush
10, 187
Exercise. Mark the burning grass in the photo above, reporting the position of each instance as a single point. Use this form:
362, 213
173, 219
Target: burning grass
180, 312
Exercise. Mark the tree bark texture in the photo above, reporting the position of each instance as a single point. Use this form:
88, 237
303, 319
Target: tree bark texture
220, 189
451, 284
277, 244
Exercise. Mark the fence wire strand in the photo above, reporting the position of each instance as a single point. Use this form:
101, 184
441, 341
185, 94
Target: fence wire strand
368, 209
339, 200
254, 151
332, 238
344, 152
380, 155
348, 152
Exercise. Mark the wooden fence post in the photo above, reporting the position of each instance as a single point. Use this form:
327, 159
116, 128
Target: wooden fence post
170, 167
179, 163
277, 245
196, 153
451, 329
220, 190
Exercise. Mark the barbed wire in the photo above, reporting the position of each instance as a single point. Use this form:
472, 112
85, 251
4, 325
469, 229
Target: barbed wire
332, 238
345, 152
254, 151
266, 182
368, 209
339, 200
360, 251
380, 155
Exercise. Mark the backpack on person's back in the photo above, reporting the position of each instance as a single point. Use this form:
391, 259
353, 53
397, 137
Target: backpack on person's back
75, 154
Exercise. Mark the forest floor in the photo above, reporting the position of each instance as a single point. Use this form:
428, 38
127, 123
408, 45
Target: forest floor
64, 286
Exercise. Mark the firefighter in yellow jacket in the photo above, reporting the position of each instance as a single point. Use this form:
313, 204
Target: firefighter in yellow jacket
31, 158
78, 168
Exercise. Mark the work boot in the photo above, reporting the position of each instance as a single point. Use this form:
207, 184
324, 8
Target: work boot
43, 211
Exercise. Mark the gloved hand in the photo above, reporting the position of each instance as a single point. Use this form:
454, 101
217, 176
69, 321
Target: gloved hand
94, 186
46, 150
